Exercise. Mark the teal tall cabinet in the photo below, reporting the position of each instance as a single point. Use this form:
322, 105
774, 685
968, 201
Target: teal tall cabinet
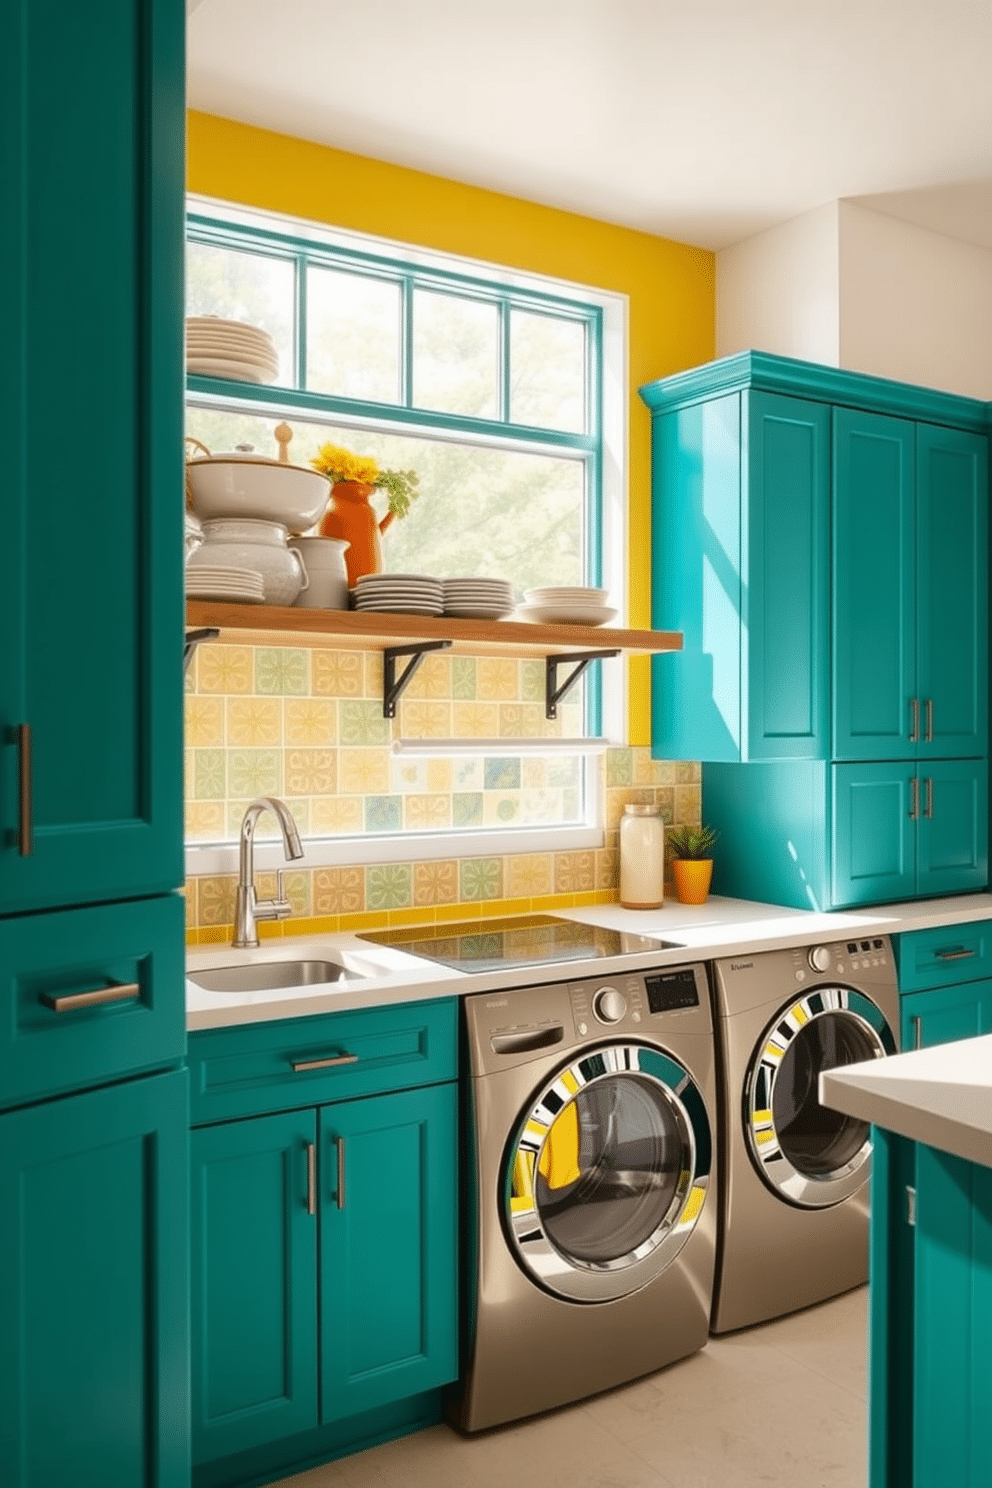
821, 539
93, 1093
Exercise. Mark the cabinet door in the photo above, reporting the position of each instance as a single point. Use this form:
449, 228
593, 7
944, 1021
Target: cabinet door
785, 539
388, 1254
94, 1342
952, 835
952, 563
91, 378
254, 1295
874, 833
943, 1014
874, 579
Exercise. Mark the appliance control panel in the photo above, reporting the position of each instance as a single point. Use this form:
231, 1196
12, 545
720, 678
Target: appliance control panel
866, 959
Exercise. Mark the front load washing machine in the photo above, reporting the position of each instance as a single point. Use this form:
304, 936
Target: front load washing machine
794, 1181
592, 1253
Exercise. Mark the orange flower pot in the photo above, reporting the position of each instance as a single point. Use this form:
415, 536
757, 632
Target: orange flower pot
351, 518
692, 879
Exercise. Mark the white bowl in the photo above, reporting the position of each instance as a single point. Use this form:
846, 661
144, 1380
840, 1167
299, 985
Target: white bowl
248, 485
554, 596
566, 614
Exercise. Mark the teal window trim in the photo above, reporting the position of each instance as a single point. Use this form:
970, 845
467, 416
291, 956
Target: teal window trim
403, 415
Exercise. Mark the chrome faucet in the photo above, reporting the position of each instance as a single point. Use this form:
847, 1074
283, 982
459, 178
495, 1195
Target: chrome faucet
248, 910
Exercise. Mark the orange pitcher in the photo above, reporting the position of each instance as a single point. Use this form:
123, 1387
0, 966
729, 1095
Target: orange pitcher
351, 518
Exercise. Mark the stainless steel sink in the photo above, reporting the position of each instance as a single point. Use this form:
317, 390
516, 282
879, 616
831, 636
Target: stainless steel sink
265, 976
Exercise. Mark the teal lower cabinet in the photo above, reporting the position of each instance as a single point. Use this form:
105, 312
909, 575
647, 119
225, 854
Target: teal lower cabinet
94, 1345
814, 835
931, 1318
324, 1252
945, 983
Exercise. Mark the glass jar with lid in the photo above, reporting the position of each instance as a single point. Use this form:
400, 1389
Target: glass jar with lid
642, 857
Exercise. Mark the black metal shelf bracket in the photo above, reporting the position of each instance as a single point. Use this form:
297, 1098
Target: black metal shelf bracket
393, 685
193, 639
553, 694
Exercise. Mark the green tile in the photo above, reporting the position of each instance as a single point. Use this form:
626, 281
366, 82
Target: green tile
466, 809
383, 813
481, 878
619, 767
282, 670
254, 772
362, 723
209, 774
532, 679
389, 886
502, 772
464, 678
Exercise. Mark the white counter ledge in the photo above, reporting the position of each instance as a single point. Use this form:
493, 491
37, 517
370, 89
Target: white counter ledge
720, 927
940, 1096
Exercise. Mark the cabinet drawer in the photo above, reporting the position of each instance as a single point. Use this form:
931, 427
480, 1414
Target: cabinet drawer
89, 995
262, 1067
944, 955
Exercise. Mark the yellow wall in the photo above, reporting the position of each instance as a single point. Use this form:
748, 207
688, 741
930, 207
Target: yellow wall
670, 285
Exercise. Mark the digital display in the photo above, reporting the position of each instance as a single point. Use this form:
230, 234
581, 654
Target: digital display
670, 990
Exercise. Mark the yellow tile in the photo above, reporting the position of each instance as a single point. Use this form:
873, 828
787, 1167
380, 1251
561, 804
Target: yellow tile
426, 813
435, 882
461, 911
590, 896
214, 934
474, 720
336, 814
439, 776
274, 929
205, 821
529, 874
224, 669
363, 772
336, 673
688, 805
310, 721
204, 721
316, 925
367, 921
425, 720
498, 677
254, 720
409, 917
432, 679
192, 936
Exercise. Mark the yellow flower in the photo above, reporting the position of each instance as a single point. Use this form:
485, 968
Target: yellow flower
341, 465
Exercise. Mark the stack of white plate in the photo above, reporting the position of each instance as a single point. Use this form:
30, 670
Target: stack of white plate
236, 585
229, 348
408, 594
478, 599
564, 606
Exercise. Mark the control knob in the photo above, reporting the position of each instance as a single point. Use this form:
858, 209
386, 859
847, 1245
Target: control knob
609, 1005
819, 958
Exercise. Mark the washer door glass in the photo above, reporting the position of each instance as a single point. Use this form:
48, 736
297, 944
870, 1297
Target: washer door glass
607, 1175
812, 1155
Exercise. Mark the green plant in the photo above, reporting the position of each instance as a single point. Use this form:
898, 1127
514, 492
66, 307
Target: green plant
691, 842
340, 464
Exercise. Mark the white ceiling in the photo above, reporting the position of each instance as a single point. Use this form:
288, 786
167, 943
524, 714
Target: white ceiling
700, 120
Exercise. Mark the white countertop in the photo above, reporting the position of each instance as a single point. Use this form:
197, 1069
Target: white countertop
940, 1096
720, 927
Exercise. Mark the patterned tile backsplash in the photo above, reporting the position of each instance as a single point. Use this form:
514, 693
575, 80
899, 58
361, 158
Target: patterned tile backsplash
307, 725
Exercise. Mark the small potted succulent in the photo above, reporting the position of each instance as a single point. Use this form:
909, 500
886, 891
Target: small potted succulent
691, 850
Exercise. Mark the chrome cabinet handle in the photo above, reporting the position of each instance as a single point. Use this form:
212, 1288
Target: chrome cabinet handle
70, 1001
959, 955
311, 1178
914, 808
309, 1064
917, 1024
914, 733
928, 733
928, 807
339, 1146
20, 735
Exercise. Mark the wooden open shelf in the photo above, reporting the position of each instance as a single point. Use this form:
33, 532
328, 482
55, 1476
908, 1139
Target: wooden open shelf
349, 630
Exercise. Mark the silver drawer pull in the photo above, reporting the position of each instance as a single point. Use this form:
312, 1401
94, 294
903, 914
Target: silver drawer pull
914, 799
25, 834
70, 1001
339, 1144
914, 732
960, 955
917, 1023
311, 1178
309, 1064
928, 733
928, 808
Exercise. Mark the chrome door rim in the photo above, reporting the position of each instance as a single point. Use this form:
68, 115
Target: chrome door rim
760, 1131
588, 1281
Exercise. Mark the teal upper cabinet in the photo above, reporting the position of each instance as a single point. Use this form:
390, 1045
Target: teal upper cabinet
820, 538
92, 159
910, 510
740, 560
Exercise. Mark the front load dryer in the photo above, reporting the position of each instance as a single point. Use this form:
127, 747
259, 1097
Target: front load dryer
794, 1183
593, 1243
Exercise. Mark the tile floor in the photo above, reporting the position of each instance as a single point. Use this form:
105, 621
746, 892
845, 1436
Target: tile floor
778, 1406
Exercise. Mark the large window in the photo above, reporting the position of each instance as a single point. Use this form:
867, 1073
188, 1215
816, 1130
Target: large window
495, 387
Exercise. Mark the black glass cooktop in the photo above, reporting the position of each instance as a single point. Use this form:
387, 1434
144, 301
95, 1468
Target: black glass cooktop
524, 940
